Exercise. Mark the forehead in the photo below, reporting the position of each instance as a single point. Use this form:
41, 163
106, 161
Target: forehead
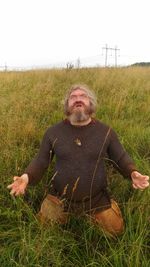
78, 92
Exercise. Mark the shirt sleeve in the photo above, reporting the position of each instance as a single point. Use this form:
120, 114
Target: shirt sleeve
40, 163
119, 157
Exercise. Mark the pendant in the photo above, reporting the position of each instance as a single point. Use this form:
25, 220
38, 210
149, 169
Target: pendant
78, 142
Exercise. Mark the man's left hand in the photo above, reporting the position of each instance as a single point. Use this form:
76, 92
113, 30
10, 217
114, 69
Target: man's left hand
139, 181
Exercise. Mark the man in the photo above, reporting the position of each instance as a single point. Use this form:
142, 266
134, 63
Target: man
81, 146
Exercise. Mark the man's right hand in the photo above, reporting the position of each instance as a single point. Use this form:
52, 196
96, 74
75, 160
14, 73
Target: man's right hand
19, 185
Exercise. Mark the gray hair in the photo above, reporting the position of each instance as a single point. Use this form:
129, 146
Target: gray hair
87, 90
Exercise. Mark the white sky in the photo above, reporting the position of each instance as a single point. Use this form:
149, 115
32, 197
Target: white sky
44, 32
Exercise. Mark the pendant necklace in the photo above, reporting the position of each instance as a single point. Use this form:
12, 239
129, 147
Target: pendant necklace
78, 142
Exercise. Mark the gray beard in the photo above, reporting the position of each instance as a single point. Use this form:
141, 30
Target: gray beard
79, 116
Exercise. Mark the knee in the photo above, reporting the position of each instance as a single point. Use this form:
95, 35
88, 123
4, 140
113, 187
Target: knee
117, 228
113, 226
111, 220
52, 211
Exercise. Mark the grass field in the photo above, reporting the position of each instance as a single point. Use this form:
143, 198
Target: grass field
29, 103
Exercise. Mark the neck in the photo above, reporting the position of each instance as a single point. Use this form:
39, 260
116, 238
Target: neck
80, 123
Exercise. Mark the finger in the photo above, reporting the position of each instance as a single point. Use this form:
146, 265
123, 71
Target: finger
19, 193
134, 186
141, 187
137, 186
16, 178
13, 187
145, 185
9, 186
21, 190
137, 174
140, 176
12, 192
146, 178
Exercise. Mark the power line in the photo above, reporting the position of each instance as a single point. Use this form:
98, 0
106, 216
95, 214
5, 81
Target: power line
106, 48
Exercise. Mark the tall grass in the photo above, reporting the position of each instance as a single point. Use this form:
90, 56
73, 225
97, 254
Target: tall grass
29, 103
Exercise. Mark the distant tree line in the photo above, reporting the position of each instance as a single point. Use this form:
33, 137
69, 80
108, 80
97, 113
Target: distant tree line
142, 64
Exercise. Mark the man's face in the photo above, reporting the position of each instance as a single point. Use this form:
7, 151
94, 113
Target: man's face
78, 100
79, 107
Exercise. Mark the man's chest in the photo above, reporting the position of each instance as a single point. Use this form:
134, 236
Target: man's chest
78, 145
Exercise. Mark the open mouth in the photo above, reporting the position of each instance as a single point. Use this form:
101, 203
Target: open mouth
78, 105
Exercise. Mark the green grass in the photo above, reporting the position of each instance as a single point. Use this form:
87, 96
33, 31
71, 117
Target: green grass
29, 103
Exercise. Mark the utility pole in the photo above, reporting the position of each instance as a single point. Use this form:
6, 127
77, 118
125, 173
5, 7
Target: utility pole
116, 49
106, 48
5, 67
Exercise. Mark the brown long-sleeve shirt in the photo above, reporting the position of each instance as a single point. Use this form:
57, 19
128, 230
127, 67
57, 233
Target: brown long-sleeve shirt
81, 151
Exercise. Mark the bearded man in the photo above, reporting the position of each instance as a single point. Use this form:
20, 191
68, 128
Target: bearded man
81, 146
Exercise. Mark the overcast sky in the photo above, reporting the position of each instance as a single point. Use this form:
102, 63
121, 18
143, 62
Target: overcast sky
45, 32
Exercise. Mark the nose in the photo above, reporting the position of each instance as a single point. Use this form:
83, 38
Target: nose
78, 98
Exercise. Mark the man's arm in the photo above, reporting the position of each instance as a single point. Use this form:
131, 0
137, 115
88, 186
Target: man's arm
34, 172
40, 163
124, 164
119, 157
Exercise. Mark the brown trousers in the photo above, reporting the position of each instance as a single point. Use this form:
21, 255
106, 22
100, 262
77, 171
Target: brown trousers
110, 220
